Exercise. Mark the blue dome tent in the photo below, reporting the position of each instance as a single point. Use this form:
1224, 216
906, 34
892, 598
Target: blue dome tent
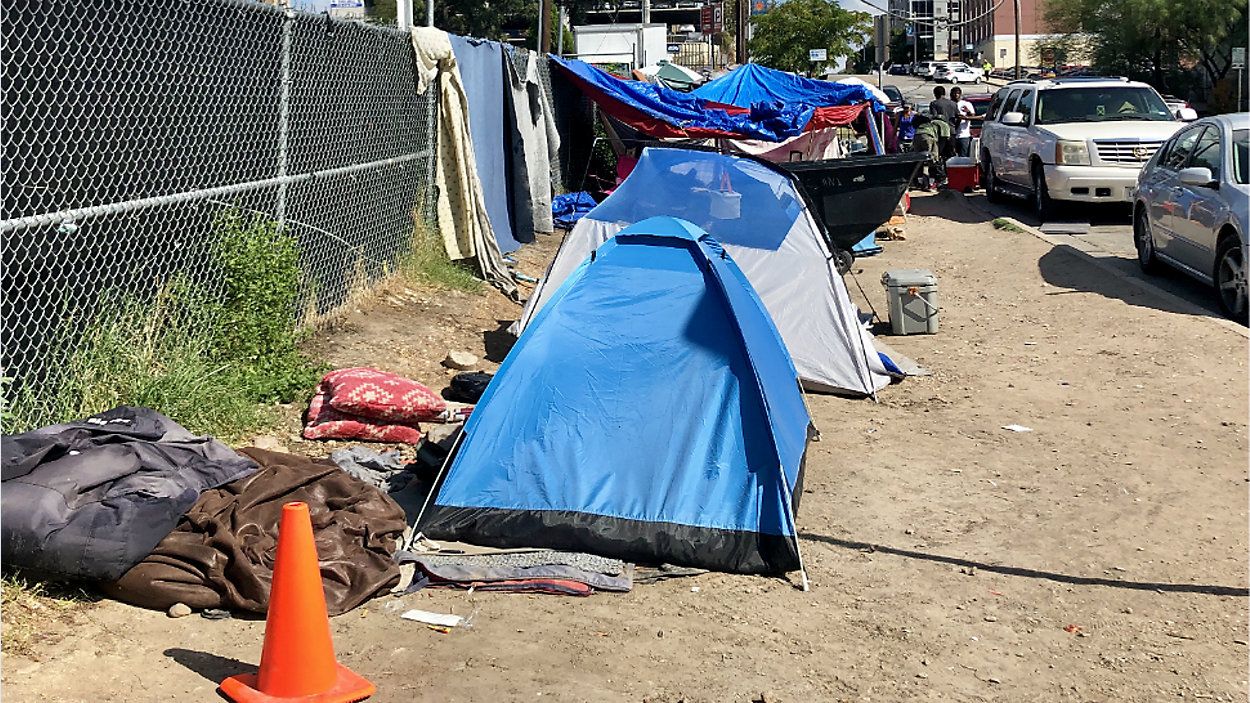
650, 412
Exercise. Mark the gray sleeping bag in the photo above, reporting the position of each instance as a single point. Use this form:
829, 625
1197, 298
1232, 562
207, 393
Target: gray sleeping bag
92, 498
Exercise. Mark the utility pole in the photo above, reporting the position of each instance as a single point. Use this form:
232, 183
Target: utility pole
646, 12
950, 56
1016, 5
915, 33
544, 31
744, 23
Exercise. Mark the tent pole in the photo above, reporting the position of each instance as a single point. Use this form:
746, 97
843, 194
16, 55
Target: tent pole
804, 583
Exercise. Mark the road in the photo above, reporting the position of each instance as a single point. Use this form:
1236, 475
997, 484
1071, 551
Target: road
1109, 233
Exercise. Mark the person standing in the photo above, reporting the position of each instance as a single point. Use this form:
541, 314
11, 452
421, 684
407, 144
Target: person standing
963, 128
930, 134
906, 127
943, 108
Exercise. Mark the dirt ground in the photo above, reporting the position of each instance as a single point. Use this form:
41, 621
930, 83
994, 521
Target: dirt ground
1100, 557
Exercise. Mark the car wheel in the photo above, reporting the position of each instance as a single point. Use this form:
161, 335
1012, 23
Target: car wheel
1043, 206
1230, 278
990, 180
954, 80
1144, 241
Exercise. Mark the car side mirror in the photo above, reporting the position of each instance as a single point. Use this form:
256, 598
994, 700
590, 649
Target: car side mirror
1197, 176
1013, 118
1186, 114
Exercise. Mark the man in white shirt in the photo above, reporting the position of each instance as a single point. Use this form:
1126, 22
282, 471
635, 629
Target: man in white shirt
967, 113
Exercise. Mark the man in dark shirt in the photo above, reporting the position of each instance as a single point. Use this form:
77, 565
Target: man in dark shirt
946, 109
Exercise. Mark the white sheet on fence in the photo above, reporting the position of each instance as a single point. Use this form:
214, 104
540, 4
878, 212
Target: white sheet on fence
533, 136
461, 207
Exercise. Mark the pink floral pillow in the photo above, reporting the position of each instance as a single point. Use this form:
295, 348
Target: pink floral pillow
379, 395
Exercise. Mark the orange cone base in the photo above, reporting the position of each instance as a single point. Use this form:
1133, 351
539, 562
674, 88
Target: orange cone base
348, 687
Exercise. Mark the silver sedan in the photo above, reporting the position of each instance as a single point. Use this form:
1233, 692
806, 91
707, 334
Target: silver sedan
1190, 210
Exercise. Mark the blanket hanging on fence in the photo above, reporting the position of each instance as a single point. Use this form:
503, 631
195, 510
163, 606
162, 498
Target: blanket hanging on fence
461, 208
533, 134
481, 66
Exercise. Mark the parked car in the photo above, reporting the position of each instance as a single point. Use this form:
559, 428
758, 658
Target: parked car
957, 72
1175, 104
896, 96
1071, 139
899, 69
981, 103
924, 69
1191, 207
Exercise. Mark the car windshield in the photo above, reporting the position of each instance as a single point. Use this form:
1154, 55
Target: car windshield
1241, 155
893, 93
1105, 104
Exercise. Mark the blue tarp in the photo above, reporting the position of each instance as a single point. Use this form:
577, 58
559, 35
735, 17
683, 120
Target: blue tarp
481, 70
662, 112
588, 439
867, 246
752, 84
568, 208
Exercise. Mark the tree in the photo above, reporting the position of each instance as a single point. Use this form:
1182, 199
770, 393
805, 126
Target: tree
901, 47
784, 35
1152, 38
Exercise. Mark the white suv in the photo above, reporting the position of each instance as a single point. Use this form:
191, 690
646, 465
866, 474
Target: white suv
957, 72
1078, 139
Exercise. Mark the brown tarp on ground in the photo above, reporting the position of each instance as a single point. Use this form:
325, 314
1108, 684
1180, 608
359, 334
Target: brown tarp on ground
221, 554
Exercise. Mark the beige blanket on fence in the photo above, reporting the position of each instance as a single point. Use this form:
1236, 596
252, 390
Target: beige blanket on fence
461, 206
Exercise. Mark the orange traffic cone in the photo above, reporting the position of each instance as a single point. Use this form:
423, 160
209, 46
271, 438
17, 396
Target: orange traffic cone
297, 662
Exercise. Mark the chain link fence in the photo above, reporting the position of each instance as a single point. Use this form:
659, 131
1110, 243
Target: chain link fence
131, 126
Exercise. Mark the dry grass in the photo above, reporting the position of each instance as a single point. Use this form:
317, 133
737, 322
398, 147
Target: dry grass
34, 613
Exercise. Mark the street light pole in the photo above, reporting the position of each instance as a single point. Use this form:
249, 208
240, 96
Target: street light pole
1016, 5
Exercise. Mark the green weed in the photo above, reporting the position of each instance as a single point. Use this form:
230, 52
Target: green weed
1007, 225
211, 359
30, 611
427, 262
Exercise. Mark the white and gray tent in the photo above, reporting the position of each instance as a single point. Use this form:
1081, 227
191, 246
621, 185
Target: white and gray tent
755, 210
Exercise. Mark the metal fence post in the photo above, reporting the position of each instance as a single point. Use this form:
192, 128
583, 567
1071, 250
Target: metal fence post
403, 14
284, 111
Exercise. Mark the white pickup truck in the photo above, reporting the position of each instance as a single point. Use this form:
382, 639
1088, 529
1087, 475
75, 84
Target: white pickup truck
1072, 139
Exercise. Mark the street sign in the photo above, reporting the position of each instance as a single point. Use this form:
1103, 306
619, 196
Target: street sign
911, 29
760, 7
817, 55
881, 38
674, 48
712, 18
1239, 57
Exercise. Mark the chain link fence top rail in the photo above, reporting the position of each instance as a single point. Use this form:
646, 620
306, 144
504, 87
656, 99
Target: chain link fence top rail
131, 126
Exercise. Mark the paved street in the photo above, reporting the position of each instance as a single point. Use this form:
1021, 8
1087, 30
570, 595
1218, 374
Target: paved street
1110, 233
